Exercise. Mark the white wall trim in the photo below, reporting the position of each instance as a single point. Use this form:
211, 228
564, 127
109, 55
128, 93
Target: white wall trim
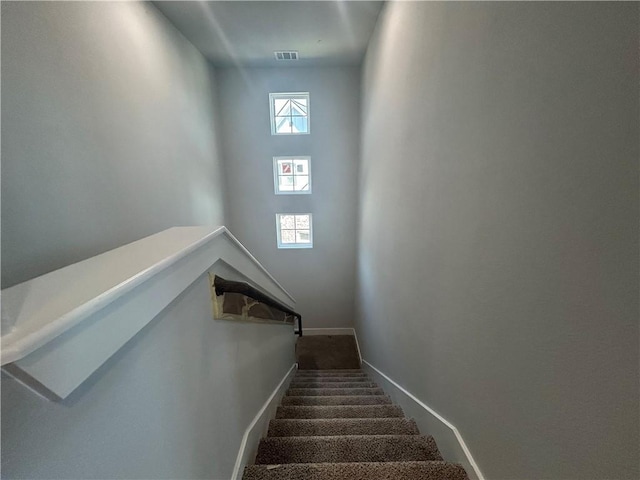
62, 326
20, 341
224, 230
249, 433
446, 422
357, 345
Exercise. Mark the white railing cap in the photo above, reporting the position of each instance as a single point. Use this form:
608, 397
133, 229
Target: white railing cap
39, 310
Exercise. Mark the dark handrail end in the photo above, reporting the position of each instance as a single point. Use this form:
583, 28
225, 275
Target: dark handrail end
299, 331
222, 285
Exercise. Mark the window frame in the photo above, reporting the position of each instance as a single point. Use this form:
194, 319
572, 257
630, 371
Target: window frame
272, 114
287, 246
276, 175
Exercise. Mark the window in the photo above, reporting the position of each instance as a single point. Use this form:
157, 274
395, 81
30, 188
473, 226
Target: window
292, 175
289, 113
294, 230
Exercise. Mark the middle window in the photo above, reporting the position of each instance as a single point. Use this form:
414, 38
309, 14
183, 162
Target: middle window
292, 175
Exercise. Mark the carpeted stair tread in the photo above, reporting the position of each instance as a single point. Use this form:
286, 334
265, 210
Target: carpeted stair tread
333, 391
347, 448
338, 400
339, 425
339, 411
330, 379
331, 370
430, 470
367, 384
342, 426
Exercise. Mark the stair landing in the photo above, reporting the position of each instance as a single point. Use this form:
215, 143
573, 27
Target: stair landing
319, 352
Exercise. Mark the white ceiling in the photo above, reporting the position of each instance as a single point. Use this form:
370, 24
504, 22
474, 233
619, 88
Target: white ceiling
248, 32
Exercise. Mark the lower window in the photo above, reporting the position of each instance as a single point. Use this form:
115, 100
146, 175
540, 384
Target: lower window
294, 230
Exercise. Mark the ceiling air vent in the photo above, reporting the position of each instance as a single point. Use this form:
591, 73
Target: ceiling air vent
286, 55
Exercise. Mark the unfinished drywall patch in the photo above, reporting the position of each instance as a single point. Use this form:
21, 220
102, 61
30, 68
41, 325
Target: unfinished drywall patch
238, 301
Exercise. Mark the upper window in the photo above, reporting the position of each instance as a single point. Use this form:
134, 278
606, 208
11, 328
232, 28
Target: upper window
289, 113
294, 230
292, 175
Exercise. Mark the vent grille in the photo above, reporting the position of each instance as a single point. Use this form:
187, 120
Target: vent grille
286, 55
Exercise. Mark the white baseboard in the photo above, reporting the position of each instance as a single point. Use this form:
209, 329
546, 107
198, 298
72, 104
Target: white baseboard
334, 331
357, 346
449, 440
258, 426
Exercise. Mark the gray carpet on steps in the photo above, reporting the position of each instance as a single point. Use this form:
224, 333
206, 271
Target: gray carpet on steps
327, 351
330, 379
297, 384
330, 373
338, 400
339, 411
347, 448
345, 372
334, 391
357, 471
330, 426
288, 427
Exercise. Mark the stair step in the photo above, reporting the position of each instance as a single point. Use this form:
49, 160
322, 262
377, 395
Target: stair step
340, 411
333, 391
342, 426
329, 373
348, 448
338, 400
429, 470
332, 385
330, 379
338, 371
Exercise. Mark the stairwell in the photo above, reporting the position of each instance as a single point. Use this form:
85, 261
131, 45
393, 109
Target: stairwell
338, 424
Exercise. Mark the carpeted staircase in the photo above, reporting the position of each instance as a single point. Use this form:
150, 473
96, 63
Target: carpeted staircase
338, 424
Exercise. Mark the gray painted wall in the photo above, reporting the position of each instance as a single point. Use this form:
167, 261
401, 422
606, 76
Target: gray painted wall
108, 132
321, 279
108, 135
498, 252
173, 403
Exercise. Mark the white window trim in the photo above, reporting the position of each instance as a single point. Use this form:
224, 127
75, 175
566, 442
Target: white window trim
287, 246
273, 96
275, 175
